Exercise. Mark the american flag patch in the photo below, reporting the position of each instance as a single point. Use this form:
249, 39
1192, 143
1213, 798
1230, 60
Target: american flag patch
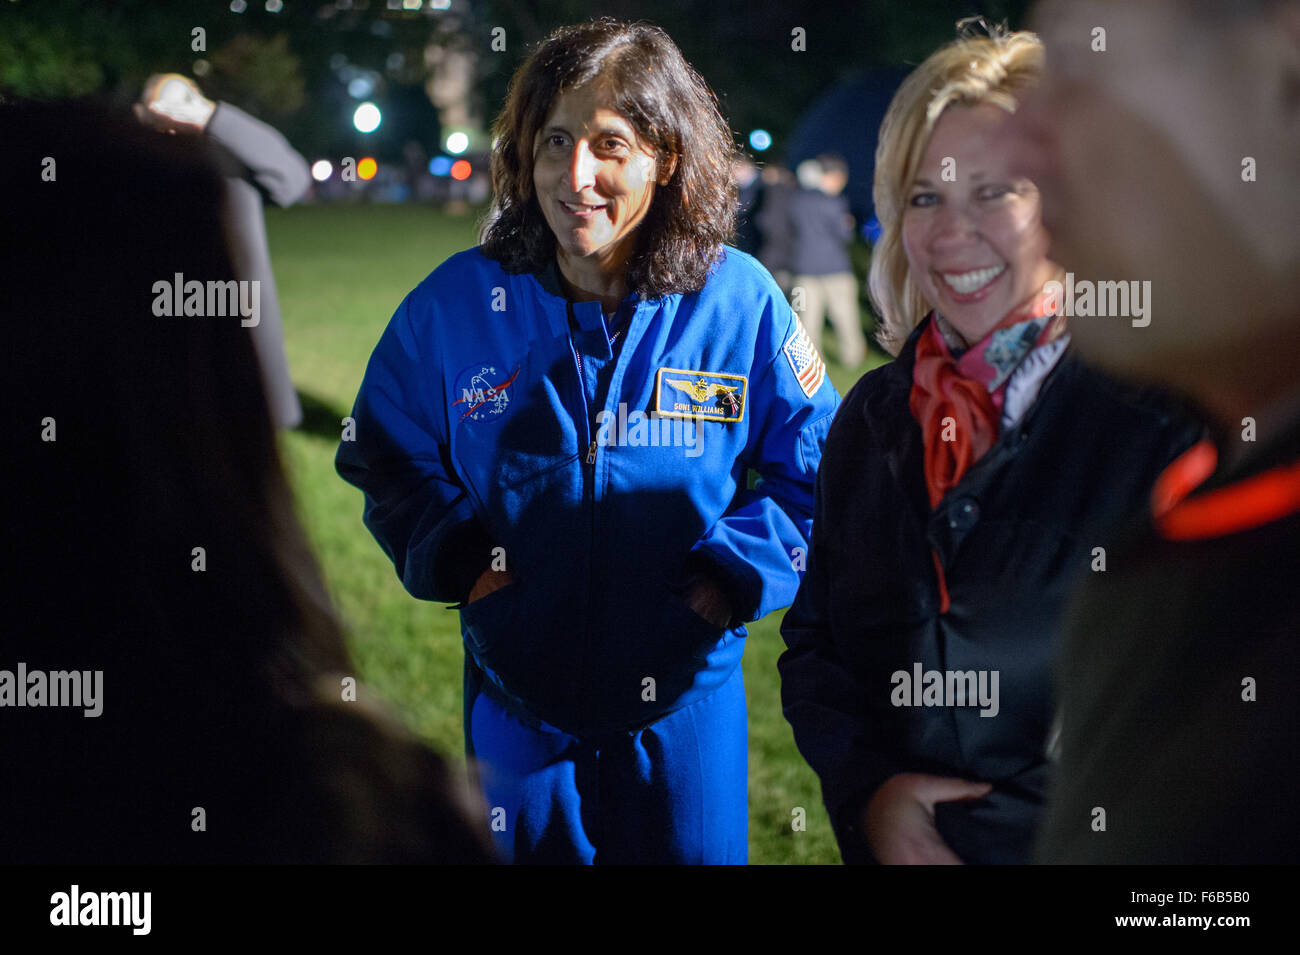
804, 360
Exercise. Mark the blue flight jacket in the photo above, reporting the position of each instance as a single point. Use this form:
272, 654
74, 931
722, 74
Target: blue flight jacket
496, 424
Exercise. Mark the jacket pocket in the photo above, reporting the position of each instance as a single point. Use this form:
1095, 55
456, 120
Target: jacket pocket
484, 622
683, 618
516, 439
697, 657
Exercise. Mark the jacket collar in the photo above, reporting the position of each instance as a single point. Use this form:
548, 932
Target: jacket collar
551, 299
889, 403
587, 316
886, 406
893, 433
896, 437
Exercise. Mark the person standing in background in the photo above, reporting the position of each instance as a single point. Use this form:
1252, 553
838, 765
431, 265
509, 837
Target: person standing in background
773, 221
256, 161
821, 229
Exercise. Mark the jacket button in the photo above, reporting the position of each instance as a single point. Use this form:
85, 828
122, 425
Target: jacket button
964, 514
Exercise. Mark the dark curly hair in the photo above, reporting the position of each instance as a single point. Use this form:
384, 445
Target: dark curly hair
671, 108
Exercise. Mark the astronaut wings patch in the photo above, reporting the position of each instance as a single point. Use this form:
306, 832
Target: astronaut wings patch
703, 395
804, 360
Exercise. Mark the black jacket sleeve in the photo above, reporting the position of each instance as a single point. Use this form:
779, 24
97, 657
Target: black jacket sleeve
825, 703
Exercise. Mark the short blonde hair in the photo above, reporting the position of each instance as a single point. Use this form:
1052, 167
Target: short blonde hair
967, 72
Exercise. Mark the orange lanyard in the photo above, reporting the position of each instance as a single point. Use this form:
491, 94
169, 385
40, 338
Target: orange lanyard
1247, 504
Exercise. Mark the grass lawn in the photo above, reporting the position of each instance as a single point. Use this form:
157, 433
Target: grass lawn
341, 271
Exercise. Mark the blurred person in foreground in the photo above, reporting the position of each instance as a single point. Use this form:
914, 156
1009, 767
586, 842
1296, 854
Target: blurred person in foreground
963, 489
823, 283
255, 161
555, 433
1174, 157
173, 677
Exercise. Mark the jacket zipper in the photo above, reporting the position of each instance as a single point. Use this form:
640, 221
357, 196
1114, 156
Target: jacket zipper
582, 381
590, 494
582, 384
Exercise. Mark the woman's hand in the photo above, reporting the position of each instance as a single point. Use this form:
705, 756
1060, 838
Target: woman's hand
707, 600
899, 819
487, 582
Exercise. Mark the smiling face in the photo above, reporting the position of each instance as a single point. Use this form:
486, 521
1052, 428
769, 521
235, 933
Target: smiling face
976, 246
594, 179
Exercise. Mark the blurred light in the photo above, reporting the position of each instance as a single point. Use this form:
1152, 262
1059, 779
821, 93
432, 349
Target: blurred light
367, 168
361, 87
381, 27
457, 143
238, 6
394, 4
321, 170
343, 4
411, 4
338, 61
396, 61
760, 139
201, 67
440, 166
367, 118
461, 169
274, 6
439, 4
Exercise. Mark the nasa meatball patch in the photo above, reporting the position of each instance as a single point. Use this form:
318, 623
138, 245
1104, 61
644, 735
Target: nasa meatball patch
482, 391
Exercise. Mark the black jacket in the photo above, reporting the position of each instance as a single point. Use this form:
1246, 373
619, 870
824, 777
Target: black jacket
776, 246
820, 232
1013, 537
1177, 681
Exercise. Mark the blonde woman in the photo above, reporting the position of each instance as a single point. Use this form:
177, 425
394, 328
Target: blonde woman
964, 488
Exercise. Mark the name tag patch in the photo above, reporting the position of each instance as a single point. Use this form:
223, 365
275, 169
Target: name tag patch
703, 395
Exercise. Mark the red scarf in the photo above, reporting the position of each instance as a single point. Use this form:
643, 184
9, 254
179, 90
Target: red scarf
958, 401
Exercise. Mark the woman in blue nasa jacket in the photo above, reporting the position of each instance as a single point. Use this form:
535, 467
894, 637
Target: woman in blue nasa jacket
555, 432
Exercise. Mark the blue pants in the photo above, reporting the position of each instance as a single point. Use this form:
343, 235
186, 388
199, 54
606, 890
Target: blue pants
673, 792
